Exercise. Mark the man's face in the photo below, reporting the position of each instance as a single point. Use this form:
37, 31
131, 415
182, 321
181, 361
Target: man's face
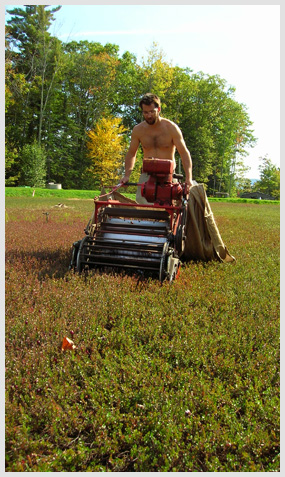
150, 113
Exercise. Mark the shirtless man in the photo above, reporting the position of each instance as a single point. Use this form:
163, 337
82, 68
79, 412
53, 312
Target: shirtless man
159, 138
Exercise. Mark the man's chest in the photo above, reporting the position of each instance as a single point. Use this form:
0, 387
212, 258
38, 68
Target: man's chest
156, 140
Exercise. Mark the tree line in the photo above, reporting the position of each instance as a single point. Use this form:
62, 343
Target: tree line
70, 109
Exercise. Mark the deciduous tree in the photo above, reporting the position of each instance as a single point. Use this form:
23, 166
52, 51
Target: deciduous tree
106, 148
33, 165
269, 182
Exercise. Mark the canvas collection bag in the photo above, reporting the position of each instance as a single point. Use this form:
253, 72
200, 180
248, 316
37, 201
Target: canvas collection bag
203, 240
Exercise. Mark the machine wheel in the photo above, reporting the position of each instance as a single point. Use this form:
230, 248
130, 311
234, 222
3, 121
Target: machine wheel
79, 265
175, 273
163, 263
181, 233
169, 264
73, 261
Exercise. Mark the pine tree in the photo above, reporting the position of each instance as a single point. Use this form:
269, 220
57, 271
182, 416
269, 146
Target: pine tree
36, 55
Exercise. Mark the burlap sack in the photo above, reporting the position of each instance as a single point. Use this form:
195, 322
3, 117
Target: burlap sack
203, 240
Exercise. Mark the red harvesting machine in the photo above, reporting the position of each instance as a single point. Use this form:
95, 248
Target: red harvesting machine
148, 238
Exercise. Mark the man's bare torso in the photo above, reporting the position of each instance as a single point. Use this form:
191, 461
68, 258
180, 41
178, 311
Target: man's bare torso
157, 140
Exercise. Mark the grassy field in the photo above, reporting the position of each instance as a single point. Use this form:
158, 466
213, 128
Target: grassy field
170, 378
54, 193
90, 194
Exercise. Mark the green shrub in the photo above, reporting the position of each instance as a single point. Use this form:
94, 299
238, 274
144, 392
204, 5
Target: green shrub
33, 165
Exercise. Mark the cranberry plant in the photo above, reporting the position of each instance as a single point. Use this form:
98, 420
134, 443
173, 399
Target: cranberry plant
180, 377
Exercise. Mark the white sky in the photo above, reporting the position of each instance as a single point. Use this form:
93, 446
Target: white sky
240, 43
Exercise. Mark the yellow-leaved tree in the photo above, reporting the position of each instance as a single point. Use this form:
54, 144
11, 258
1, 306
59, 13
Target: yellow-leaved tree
158, 74
107, 148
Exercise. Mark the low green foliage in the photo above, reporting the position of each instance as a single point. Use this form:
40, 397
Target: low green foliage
90, 194
56, 193
171, 378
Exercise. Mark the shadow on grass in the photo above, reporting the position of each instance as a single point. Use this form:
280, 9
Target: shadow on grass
46, 263
56, 264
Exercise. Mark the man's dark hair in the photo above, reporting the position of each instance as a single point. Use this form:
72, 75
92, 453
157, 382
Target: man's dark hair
148, 99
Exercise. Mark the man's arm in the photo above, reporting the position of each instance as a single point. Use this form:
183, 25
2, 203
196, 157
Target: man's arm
184, 154
130, 158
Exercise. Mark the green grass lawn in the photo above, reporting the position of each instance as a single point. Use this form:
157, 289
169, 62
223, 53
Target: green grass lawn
90, 194
58, 193
170, 378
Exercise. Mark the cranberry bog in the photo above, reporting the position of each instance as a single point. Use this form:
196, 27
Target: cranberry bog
180, 377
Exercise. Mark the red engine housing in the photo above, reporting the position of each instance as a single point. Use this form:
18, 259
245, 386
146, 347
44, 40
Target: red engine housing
160, 188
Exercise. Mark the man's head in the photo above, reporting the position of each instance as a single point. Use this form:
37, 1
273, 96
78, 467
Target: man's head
150, 105
148, 99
